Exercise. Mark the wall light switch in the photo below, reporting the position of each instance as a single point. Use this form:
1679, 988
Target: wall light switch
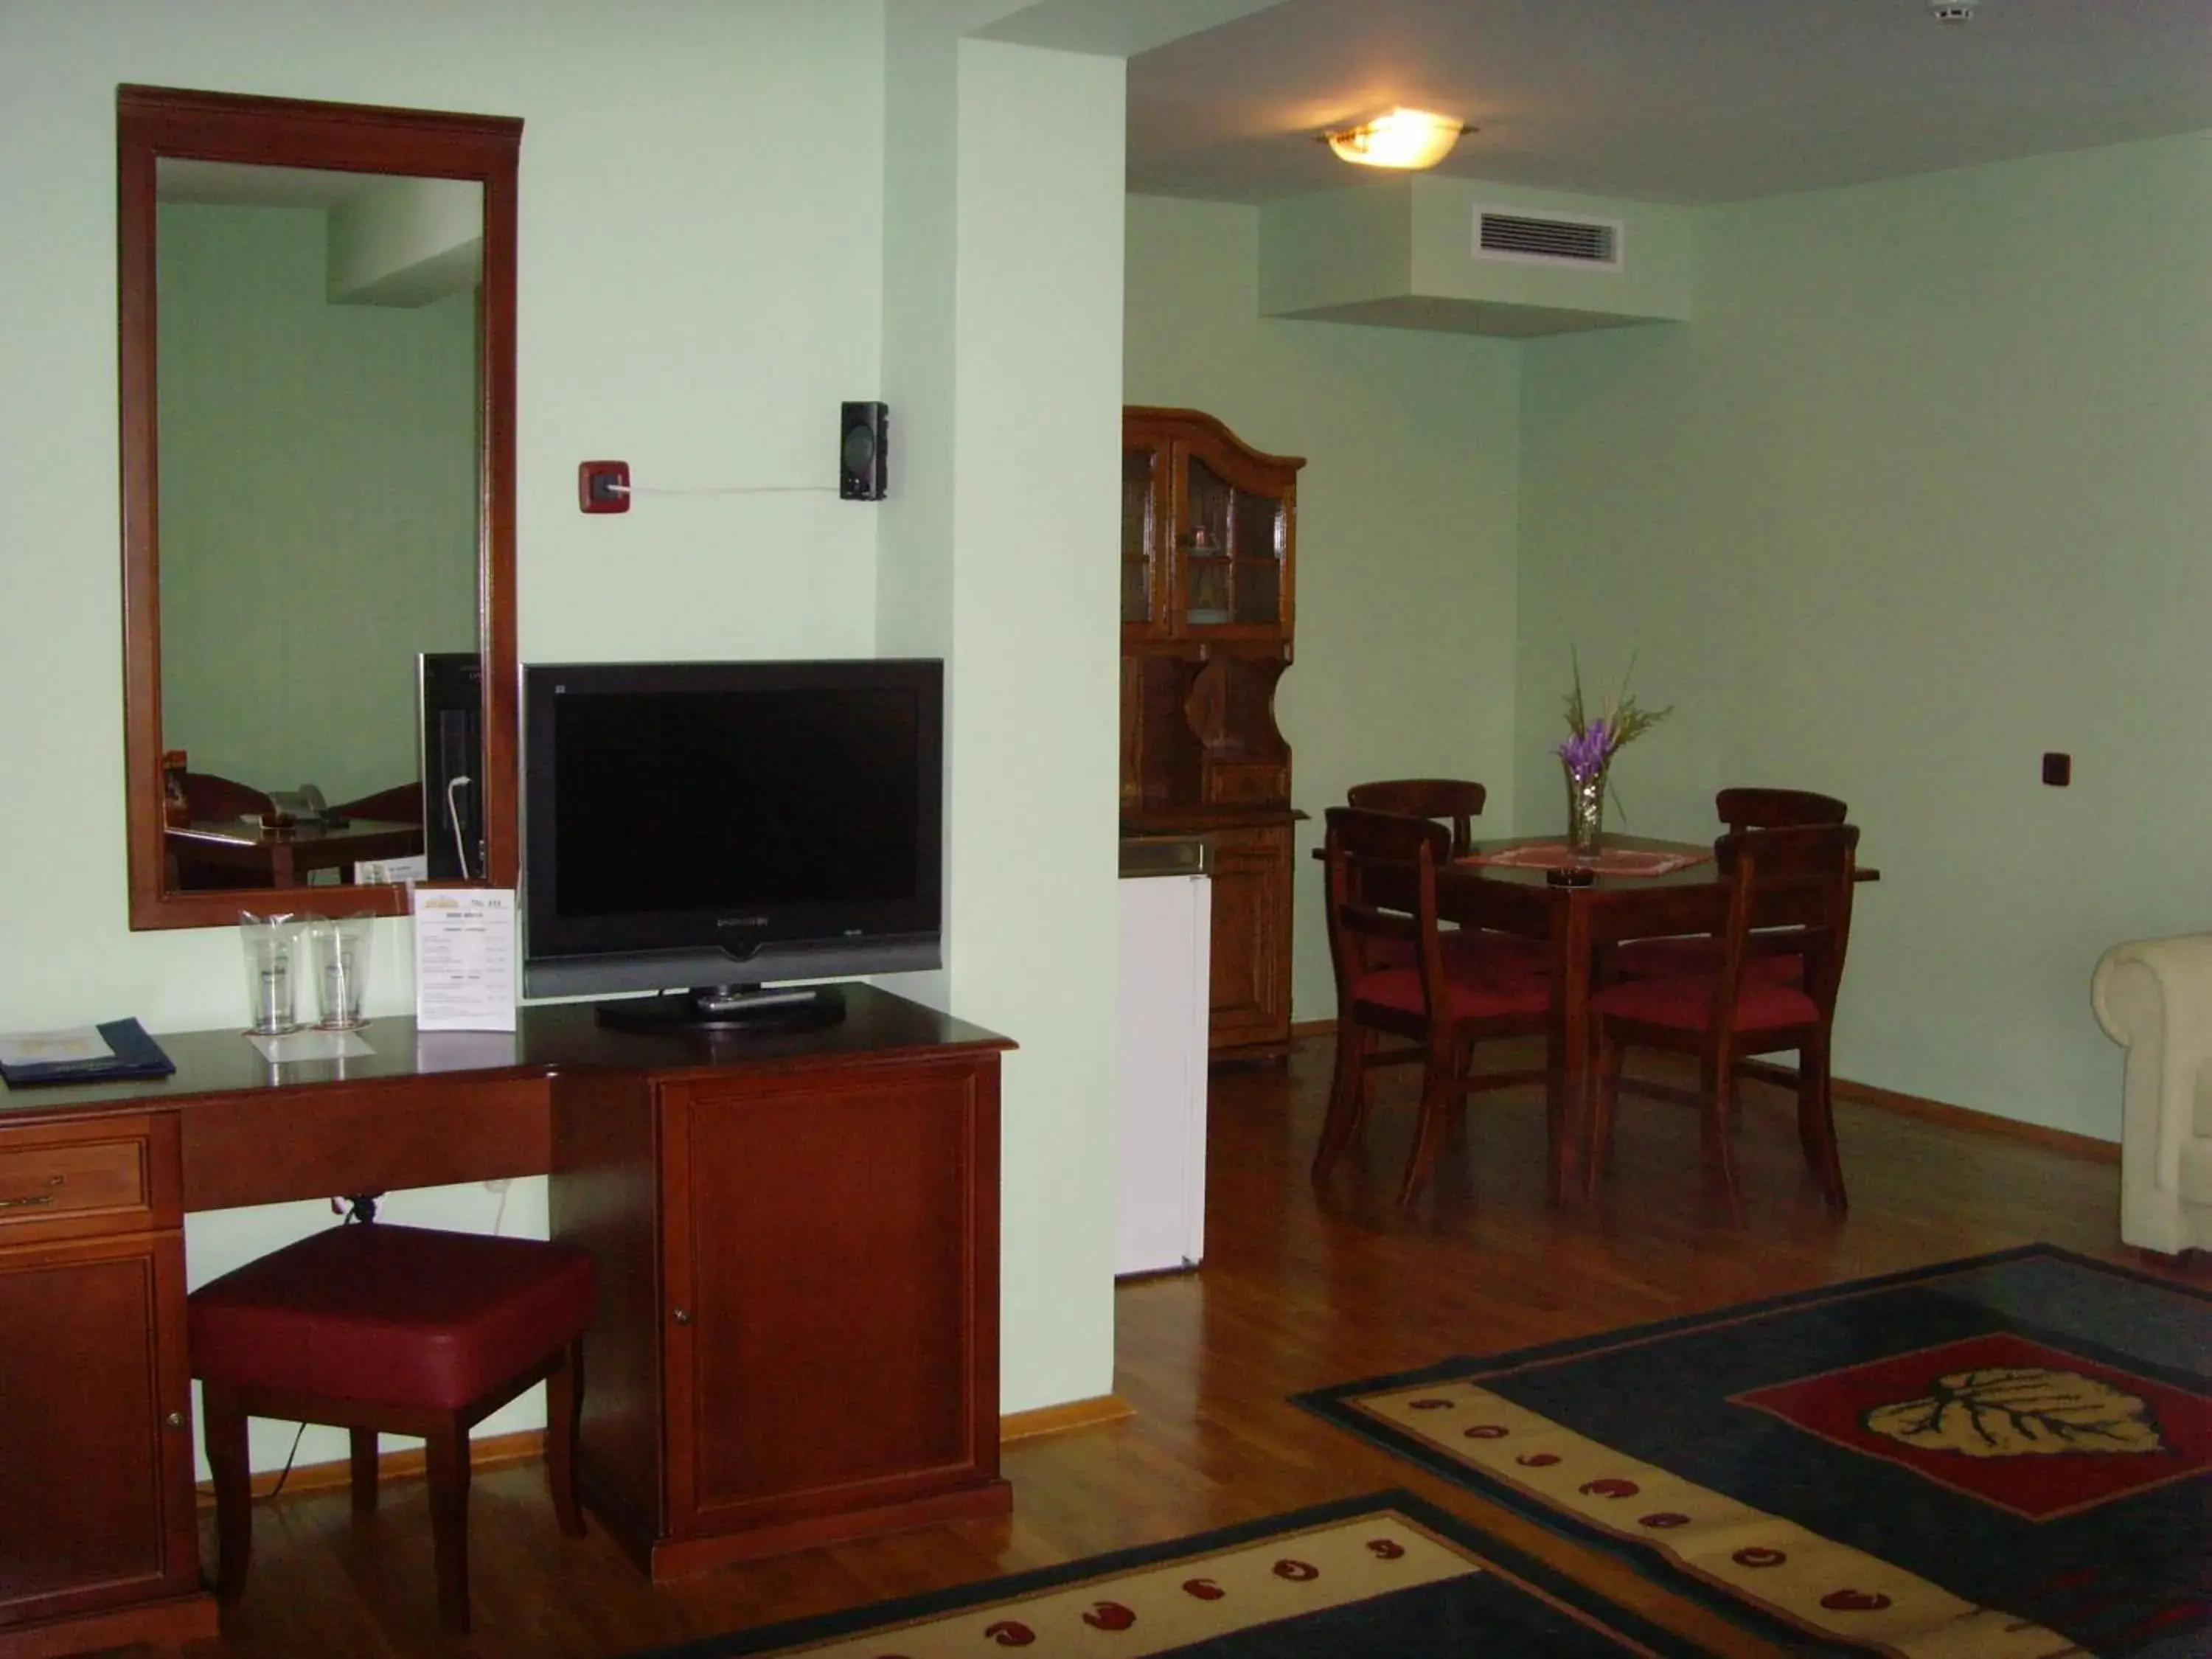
602, 486
2057, 769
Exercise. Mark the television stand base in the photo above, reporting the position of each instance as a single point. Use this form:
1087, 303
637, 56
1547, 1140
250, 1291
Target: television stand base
729, 1008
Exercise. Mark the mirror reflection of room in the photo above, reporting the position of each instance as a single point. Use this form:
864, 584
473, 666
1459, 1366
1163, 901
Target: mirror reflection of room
317, 358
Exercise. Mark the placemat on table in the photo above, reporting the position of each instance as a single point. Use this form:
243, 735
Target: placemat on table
1606, 860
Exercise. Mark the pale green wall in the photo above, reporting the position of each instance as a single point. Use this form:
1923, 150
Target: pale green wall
1035, 904
1003, 369
1921, 493
319, 504
690, 304
1405, 586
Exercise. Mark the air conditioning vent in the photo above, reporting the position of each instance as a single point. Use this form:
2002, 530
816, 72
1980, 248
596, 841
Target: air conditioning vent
1550, 240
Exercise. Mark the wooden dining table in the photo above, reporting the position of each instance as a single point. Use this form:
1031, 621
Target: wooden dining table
284, 856
1577, 920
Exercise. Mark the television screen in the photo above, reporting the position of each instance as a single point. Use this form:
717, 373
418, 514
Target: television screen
726, 823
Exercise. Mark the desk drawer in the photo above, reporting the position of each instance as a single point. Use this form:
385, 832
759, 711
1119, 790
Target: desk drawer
104, 1174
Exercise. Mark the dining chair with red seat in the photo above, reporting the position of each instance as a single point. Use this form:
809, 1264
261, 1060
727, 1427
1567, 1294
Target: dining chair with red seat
1740, 809
1458, 802
1776, 809
1793, 887
402, 1330
1395, 978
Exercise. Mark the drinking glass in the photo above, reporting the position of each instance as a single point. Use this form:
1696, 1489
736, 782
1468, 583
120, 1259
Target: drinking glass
340, 951
270, 943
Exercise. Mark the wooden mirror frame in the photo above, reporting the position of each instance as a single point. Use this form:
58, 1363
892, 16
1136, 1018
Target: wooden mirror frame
153, 122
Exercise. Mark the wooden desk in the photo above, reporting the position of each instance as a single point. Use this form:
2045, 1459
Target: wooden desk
282, 858
1577, 920
796, 1238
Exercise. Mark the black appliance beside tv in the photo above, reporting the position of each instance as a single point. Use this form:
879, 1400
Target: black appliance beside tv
449, 725
720, 825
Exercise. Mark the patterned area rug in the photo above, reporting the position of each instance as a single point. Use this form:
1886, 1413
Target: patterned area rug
2004, 1456
1366, 1576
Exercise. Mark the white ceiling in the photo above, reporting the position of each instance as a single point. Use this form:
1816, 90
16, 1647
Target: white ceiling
1666, 101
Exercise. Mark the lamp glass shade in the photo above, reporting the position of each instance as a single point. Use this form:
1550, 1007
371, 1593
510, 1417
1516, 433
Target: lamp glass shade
1409, 138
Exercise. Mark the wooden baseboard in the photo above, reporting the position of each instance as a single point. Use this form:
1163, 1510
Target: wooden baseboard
165, 1626
494, 1451
490, 1451
1965, 1117
1071, 1414
1887, 1100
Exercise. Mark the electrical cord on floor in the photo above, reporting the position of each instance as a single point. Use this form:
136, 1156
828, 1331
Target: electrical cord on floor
358, 1209
285, 1474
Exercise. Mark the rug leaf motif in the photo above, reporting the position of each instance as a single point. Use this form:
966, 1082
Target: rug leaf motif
2021, 1411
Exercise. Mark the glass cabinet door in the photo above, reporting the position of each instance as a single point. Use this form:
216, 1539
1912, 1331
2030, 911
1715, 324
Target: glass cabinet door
1206, 563
1232, 553
1256, 550
1141, 537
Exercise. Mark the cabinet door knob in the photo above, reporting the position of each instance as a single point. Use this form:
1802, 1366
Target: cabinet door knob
683, 1316
175, 1419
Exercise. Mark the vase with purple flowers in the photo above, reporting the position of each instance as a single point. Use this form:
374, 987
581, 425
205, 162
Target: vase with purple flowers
1586, 757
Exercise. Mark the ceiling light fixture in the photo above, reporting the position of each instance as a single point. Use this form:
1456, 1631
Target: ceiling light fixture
1402, 139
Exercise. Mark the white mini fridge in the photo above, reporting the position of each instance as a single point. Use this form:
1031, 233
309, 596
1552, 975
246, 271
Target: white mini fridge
1166, 915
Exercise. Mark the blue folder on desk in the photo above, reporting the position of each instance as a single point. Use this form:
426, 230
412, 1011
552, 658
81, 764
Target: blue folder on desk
132, 1054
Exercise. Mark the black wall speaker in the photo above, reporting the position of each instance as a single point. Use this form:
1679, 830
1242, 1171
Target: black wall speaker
863, 464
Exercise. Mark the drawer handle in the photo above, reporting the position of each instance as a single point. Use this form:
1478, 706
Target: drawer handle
31, 1203
683, 1316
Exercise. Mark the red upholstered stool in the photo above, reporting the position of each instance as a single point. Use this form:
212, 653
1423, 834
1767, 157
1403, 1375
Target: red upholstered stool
400, 1329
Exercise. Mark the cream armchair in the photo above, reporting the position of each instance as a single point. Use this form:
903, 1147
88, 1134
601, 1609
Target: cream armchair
2155, 997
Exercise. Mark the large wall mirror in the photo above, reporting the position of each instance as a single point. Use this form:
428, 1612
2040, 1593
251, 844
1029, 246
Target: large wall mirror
318, 453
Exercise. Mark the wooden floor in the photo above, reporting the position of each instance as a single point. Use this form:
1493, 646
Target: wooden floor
1300, 1288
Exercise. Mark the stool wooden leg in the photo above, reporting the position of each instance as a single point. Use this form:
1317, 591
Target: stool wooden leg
564, 1405
447, 1452
222, 1429
364, 1469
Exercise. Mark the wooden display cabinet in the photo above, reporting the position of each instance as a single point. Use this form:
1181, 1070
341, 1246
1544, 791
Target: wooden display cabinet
1208, 612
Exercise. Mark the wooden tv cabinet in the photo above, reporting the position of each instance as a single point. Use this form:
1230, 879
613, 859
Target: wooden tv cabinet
796, 1236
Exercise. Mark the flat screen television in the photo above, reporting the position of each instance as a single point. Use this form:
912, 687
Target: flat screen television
717, 826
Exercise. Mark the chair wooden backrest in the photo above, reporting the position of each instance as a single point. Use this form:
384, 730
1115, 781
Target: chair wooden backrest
1792, 885
401, 804
1776, 809
215, 800
1457, 799
1382, 869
